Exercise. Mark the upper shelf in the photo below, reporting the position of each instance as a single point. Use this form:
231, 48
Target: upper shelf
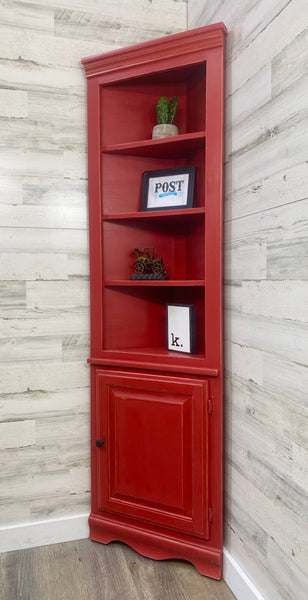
176, 146
179, 213
155, 283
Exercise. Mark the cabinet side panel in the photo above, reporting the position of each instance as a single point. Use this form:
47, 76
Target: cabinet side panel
214, 205
95, 217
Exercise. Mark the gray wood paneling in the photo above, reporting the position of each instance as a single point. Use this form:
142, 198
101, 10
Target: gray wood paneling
266, 349
44, 271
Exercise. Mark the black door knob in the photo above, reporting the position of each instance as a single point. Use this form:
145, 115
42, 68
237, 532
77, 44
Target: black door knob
100, 443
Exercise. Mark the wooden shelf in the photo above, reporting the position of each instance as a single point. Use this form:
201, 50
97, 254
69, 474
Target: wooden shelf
156, 283
177, 146
155, 214
157, 352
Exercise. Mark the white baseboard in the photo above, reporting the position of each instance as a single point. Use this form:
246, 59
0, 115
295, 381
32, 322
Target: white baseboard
67, 529
42, 533
238, 582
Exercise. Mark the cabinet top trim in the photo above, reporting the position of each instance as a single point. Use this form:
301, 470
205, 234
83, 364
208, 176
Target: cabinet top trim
187, 42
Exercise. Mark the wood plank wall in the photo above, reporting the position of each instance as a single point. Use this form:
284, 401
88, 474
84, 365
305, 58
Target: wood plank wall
266, 289
44, 288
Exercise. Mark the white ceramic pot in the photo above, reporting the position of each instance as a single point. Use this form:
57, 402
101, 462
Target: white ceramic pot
164, 130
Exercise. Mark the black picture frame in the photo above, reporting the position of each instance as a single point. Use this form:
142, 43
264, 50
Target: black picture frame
181, 328
168, 189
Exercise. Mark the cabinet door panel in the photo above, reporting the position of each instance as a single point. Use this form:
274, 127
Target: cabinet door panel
153, 465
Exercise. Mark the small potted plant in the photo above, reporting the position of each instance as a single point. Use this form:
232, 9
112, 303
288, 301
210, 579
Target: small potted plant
165, 112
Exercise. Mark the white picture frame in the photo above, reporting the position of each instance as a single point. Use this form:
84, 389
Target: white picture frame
181, 328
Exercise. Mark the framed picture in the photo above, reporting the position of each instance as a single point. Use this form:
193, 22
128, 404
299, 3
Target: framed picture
181, 328
168, 189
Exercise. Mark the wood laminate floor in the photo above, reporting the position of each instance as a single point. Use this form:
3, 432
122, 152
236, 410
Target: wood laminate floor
86, 570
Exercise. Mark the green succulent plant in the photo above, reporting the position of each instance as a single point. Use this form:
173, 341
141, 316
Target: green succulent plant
165, 111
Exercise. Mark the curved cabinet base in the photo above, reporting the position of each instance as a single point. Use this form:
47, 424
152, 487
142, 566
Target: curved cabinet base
157, 544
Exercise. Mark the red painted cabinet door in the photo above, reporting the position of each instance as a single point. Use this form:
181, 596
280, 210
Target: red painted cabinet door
153, 465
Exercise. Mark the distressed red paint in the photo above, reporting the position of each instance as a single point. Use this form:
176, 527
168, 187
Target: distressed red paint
157, 478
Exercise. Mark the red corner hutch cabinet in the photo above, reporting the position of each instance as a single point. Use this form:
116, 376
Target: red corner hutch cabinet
156, 414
